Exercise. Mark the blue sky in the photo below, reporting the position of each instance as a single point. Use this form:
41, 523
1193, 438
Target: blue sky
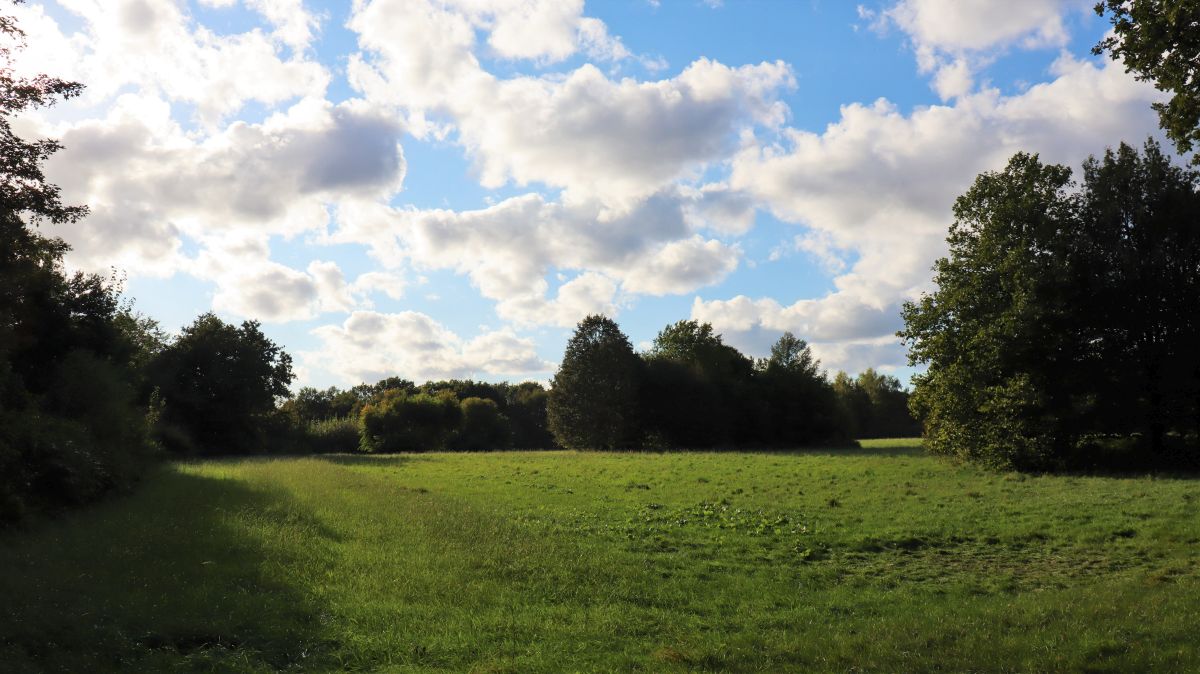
442, 188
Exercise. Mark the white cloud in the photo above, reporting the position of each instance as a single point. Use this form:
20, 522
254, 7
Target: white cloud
681, 267
881, 184
251, 285
508, 249
597, 138
386, 283
974, 25
586, 294
717, 207
270, 178
954, 38
159, 49
369, 346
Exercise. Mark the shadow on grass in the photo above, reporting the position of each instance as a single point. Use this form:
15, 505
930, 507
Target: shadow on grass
187, 572
870, 448
370, 460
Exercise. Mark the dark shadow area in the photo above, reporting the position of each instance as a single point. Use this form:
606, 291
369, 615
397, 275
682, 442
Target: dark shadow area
887, 452
373, 460
175, 571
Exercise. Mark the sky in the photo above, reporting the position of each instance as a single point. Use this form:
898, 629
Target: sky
443, 188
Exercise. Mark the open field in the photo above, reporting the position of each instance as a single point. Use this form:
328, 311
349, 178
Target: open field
880, 559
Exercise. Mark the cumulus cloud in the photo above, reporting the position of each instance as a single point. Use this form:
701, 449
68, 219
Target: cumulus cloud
586, 294
954, 38
595, 137
508, 249
682, 266
149, 183
717, 207
880, 183
249, 284
633, 186
369, 346
158, 48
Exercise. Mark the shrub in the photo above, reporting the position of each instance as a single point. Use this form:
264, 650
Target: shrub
399, 422
483, 426
326, 436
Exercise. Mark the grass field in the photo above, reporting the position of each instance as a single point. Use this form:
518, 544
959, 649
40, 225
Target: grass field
879, 559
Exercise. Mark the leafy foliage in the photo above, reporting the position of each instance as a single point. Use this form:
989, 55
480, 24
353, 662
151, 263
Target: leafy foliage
400, 422
1064, 317
695, 387
483, 426
874, 405
218, 384
71, 424
1159, 42
593, 397
802, 406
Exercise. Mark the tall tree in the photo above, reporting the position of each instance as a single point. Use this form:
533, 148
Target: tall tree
70, 427
696, 391
1063, 316
1159, 41
803, 406
593, 397
217, 383
993, 333
1139, 265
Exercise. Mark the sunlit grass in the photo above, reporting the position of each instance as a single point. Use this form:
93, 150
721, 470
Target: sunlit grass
881, 559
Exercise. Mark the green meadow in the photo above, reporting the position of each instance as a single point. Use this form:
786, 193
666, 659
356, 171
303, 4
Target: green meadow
875, 559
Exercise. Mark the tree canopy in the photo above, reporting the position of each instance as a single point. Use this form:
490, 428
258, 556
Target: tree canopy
1160, 42
1065, 316
71, 423
593, 398
217, 382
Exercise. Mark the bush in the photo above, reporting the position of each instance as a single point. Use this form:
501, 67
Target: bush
399, 422
336, 435
483, 426
81, 440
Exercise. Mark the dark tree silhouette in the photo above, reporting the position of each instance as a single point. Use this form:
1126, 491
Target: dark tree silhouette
1160, 42
218, 382
70, 426
1065, 319
593, 397
803, 406
696, 389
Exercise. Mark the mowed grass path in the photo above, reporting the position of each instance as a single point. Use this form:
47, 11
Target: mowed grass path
880, 559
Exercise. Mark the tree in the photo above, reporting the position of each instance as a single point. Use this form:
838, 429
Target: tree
1159, 42
698, 391
70, 425
1064, 316
995, 334
218, 383
876, 405
802, 404
525, 406
593, 397
854, 405
1140, 276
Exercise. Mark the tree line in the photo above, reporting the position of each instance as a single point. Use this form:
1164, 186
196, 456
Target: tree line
691, 390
